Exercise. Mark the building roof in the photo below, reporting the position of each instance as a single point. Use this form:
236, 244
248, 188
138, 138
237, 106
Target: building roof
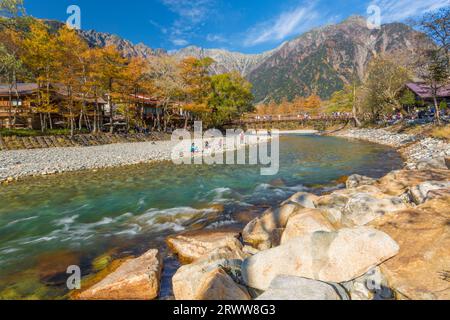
424, 91
22, 88
61, 90
29, 88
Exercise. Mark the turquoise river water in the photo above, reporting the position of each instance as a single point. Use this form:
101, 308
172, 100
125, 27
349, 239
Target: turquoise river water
91, 218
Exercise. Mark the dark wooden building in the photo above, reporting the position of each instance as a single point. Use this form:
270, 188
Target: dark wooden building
424, 95
18, 106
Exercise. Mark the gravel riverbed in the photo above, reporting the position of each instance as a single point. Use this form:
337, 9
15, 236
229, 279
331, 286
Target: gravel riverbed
16, 164
20, 163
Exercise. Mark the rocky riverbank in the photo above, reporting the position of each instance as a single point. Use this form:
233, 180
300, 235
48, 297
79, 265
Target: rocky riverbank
418, 152
375, 239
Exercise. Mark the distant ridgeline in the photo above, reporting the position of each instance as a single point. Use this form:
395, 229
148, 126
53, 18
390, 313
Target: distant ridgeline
321, 61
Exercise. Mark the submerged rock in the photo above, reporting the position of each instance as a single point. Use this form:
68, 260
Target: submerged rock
420, 270
326, 256
297, 288
192, 247
135, 279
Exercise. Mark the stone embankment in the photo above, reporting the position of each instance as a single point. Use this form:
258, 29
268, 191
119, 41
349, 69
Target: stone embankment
80, 140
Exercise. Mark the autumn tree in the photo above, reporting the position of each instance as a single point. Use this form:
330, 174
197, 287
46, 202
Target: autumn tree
71, 71
196, 85
12, 68
111, 66
40, 50
135, 81
313, 104
169, 86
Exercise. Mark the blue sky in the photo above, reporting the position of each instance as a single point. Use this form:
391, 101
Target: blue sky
249, 26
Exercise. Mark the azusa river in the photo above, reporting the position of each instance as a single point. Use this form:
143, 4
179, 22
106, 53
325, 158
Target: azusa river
91, 218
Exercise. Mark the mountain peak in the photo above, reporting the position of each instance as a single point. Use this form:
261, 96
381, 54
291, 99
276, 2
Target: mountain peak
355, 19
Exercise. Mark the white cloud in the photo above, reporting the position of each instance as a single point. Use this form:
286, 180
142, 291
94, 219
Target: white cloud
286, 24
399, 10
190, 15
158, 26
215, 38
180, 42
193, 10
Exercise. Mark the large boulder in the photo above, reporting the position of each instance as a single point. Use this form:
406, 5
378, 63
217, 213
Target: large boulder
357, 180
305, 222
326, 256
135, 279
190, 247
303, 199
420, 270
218, 285
336, 204
398, 182
264, 232
297, 288
432, 163
363, 208
333, 204
419, 193
188, 280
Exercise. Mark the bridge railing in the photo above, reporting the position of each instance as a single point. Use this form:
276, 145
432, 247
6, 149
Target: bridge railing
285, 118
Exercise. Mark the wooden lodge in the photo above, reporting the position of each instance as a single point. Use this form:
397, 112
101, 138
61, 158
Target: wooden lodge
18, 110
18, 106
152, 111
424, 96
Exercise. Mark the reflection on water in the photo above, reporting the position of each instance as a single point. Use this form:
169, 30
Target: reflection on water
49, 223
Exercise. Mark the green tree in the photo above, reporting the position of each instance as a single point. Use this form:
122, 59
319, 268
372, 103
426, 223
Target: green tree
231, 96
408, 99
341, 101
434, 63
383, 86
10, 10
